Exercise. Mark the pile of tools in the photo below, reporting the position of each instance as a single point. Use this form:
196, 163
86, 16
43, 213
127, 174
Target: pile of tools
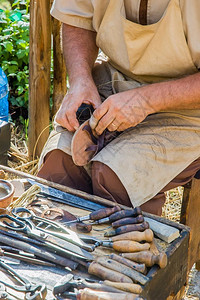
52, 243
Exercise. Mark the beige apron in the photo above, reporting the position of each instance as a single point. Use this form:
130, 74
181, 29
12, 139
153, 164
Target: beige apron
149, 156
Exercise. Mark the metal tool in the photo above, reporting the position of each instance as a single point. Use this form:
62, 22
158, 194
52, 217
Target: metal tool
70, 282
32, 290
96, 215
53, 243
4, 294
57, 229
66, 198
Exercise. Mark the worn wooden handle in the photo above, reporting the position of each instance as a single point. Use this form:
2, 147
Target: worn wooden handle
88, 294
116, 266
104, 212
137, 236
148, 258
129, 263
105, 273
126, 287
126, 221
130, 246
128, 228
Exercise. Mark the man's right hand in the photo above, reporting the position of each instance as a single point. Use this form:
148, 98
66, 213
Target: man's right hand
82, 91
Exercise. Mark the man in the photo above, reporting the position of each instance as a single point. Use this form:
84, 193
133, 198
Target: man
150, 90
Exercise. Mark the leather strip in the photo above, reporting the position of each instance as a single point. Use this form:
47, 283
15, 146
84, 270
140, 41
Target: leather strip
143, 12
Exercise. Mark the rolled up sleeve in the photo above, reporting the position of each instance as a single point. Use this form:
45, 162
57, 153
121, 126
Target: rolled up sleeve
78, 13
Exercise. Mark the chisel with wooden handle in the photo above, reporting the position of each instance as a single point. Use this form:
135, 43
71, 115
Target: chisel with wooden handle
129, 263
127, 246
88, 294
148, 258
118, 267
137, 236
126, 221
97, 214
126, 287
127, 228
120, 215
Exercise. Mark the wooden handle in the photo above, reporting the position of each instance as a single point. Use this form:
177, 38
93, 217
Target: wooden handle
126, 287
126, 221
116, 266
88, 294
130, 246
127, 262
104, 212
128, 228
148, 258
137, 236
105, 273
125, 213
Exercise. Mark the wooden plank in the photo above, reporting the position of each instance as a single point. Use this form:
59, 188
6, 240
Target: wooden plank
190, 215
59, 69
39, 65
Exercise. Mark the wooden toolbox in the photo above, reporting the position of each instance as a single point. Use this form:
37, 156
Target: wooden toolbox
163, 283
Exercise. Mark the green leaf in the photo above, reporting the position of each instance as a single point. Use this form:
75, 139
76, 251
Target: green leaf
20, 90
9, 46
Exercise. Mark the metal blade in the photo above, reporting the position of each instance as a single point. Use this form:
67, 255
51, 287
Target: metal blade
67, 198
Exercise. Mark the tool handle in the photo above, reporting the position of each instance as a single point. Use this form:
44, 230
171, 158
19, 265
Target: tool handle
137, 236
148, 258
126, 221
135, 266
103, 213
118, 267
88, 294
126, 287
128, 228
125, 213
129, 246
105, 273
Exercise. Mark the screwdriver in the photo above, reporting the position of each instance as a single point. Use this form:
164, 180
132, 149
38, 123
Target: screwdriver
120, 215
96, 215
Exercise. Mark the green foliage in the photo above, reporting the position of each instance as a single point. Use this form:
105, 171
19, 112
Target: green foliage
14, 50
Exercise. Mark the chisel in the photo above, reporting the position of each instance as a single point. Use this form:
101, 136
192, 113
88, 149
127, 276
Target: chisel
126, 221
96, 215
116, 266
137, 236
129, 263
148, 258
126, 287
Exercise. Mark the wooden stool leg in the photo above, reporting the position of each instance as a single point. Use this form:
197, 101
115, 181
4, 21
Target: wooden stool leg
190, 215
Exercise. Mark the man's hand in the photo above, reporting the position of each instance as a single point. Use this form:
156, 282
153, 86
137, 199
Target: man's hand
121, 111
81, 92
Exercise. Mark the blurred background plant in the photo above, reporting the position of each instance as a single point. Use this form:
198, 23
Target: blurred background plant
14, 54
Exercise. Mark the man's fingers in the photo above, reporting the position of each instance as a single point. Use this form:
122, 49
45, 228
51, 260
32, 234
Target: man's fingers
114, 125
101, 110
73, 122
93, 122
104, 122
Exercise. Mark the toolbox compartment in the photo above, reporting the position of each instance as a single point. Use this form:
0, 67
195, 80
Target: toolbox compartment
5, 136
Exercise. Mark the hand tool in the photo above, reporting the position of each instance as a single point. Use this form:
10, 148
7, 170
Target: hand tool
39, 251
23, 257
129, 263
128, 228
126, 287
137, 236
63, 216
32, 290
116, 266
126, 221
59, 196
88, 294
120, 215
58, 230
163, 231
148, 258
53, 243
70, 281
98, 214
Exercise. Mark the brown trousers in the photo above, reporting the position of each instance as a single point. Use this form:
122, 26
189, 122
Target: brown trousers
59, 167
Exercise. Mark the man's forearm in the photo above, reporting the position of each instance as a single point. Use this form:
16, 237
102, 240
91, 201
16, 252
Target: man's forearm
177, 94
80, 51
